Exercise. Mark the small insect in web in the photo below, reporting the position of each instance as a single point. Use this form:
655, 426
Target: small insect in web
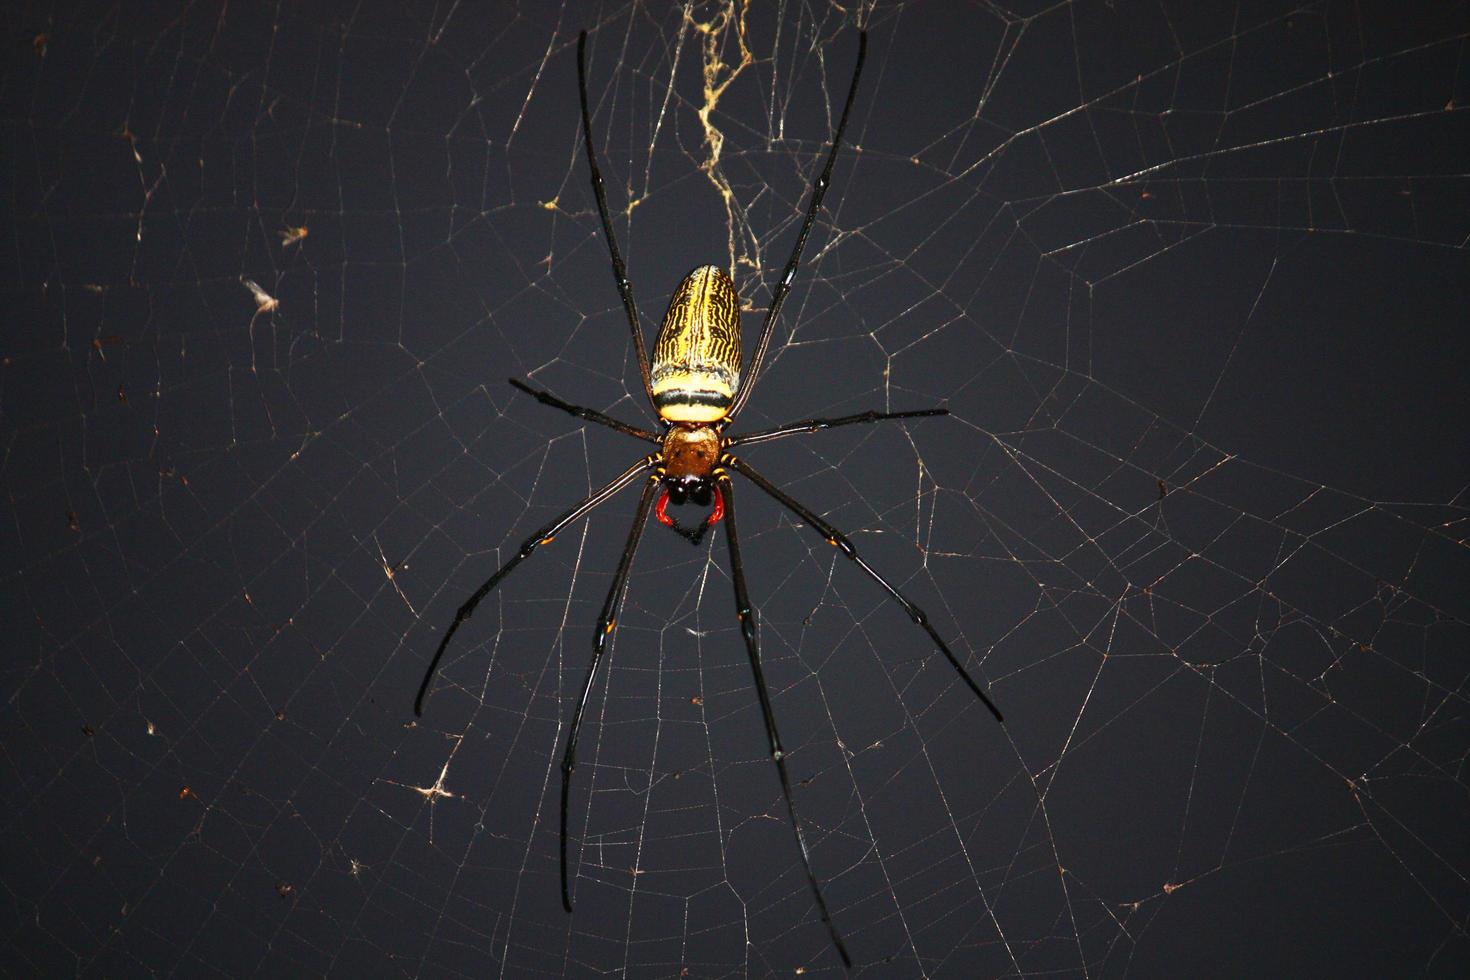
695, 387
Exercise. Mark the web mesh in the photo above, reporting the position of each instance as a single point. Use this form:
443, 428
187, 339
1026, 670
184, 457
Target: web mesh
1192, 283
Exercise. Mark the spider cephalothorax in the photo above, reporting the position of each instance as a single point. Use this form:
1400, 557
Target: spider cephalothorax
690, 452
695, 385
688, 470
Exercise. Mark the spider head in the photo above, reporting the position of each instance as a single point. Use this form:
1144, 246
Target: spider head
681, 490
689, 454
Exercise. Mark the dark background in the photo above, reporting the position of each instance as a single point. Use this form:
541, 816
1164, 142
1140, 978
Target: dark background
1192, 279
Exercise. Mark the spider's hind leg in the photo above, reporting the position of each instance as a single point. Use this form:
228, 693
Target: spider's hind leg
620, 270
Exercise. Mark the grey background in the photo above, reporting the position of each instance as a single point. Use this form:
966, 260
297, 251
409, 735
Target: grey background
1191, 278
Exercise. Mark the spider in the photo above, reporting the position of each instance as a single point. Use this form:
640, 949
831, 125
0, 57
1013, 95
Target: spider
694, 385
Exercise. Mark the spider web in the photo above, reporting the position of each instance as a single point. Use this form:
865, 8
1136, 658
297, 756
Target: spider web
1192, 283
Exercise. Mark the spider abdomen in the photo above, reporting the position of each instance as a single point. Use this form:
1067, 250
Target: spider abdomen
696, 357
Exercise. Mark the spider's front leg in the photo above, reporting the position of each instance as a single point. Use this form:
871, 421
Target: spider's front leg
605, 626
543, 536
839, 541
746, 613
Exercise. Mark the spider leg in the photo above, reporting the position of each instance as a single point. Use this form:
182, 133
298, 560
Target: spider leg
589, 414
839, 541
812, 425
819, 188
541, 537
620, 271
746, 613
605, 626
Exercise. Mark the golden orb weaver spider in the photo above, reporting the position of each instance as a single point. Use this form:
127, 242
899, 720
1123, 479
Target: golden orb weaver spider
694, 386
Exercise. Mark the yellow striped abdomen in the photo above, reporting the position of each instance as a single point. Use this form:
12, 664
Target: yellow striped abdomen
696, 358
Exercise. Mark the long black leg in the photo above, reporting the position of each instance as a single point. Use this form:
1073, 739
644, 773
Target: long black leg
819, 189
605, 626
590, 414
839, 541
620, 271
812, 425
541, 537
747, 616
